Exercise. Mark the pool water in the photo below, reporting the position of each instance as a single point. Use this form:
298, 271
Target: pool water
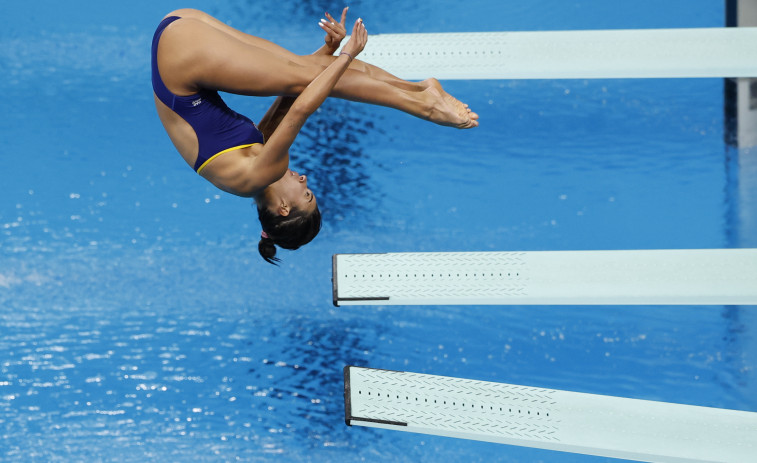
138, 322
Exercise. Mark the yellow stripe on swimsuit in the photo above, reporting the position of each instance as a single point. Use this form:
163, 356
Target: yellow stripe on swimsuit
202, 166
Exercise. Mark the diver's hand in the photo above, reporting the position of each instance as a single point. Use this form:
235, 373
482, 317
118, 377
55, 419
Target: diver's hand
335, 31
357, 41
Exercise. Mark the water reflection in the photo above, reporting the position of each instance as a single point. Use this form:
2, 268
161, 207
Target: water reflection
304, 13
731, 206
739, 351
251, 12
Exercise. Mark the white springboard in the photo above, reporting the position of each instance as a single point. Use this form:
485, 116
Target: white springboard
587, 54
549, 419
626, 277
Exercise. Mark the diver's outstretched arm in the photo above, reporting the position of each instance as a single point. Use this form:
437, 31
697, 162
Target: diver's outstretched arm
272, 162
335, 33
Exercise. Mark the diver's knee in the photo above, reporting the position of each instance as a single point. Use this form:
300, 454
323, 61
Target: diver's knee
188, 13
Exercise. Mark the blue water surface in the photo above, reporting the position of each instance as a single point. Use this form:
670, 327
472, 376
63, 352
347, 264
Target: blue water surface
138, 323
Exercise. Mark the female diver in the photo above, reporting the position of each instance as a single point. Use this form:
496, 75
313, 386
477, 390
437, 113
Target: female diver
194, 56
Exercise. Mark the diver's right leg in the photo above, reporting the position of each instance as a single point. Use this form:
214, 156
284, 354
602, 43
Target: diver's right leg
192, 55
237, 34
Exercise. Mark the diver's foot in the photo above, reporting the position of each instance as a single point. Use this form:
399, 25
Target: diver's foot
447, 110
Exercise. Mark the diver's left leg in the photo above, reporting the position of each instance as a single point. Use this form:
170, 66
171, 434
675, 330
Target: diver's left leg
324, 60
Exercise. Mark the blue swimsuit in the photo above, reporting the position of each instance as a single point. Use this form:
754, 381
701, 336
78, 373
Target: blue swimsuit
219, 129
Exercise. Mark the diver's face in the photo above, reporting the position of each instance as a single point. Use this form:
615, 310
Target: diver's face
293, 189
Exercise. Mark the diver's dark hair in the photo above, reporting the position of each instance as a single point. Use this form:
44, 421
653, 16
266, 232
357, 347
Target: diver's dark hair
289, 232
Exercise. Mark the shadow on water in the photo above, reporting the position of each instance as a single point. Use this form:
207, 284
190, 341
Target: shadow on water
330, 149
306, 369
271, 384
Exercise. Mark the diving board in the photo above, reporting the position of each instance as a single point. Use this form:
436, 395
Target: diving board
657, 277
640, 53
547, 419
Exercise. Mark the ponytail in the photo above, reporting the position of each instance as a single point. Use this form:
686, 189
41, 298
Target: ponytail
267, 249
288, 232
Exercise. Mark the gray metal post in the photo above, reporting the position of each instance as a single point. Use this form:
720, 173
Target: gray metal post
741, 94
